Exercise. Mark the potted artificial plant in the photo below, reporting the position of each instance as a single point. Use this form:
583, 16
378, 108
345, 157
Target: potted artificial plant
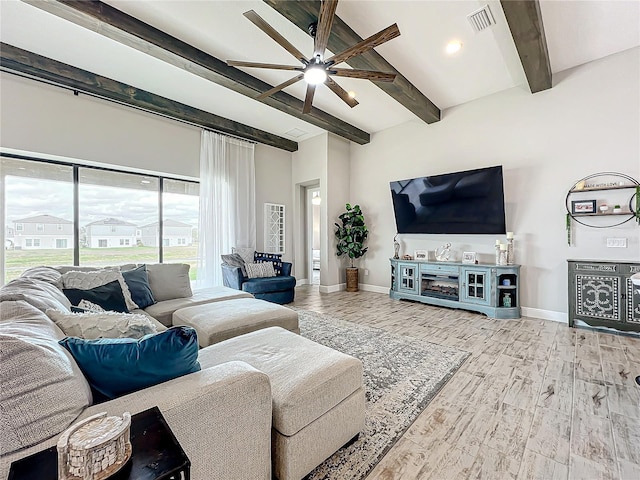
351, 236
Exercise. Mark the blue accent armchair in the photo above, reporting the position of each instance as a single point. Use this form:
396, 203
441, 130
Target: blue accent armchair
279, 289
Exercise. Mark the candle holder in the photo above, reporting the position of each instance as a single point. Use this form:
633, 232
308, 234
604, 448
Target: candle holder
511, 258
497, 252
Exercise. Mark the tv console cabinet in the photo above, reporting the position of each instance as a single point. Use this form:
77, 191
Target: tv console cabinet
490, 289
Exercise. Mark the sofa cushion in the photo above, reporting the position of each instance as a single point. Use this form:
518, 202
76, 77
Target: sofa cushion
42, 389
45, 274
89, 280
117, 366
92, 325
260, 270
245, 252
109, 296
163, 311
40, 294
169, 280
137, 280
267, 285
274, 258
307, 379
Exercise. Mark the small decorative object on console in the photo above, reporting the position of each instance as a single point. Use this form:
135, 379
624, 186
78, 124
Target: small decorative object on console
443, 252
503, 254
420, 255
407, 257
95, 448
469, 257
511, 257
617, 209
396, 247
497, 252
604, 207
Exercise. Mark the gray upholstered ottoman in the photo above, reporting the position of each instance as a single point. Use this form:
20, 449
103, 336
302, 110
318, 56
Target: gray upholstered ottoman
218, 321
318, 395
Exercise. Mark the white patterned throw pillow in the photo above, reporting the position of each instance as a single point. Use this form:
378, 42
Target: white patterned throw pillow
260, 270
89, 280
92, 325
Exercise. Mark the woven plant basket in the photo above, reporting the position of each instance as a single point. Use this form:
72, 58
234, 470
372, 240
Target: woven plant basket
352, 279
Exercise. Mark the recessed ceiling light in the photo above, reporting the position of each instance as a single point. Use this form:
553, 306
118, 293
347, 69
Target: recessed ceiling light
351, 94
453, 46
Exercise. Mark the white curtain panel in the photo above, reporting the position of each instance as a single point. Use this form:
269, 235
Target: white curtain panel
227, 202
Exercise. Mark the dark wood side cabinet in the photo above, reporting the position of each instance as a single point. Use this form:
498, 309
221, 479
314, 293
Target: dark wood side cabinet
601, 294
156, 455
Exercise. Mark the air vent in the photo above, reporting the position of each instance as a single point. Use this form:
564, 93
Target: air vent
481, 19
295, 133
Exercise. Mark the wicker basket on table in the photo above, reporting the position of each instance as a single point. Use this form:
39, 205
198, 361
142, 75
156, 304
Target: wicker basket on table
94, 448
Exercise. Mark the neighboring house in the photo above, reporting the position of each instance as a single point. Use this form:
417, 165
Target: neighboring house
41, 232
110, 233
175, 234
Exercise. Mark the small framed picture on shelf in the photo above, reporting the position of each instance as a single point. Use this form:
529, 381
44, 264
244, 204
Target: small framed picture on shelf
420, 254
583, 206
469, 257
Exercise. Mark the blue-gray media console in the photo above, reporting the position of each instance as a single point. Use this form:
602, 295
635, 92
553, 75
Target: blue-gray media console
489, 289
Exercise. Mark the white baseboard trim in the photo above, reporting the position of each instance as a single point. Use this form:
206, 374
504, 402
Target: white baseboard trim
373, 288
561, 317
333, 288
301, 281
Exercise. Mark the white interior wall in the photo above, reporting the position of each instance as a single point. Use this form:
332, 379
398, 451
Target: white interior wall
41, 118
588, 122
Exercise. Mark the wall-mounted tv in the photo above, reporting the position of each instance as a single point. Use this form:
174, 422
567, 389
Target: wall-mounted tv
469, 202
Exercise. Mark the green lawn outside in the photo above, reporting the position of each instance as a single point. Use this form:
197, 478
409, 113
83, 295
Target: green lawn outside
17, 261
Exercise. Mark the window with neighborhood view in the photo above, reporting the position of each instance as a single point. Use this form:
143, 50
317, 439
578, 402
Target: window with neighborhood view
38, 198
118, 217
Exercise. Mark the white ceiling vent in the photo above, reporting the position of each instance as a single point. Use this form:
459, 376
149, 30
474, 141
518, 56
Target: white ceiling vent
295, 133
481, 19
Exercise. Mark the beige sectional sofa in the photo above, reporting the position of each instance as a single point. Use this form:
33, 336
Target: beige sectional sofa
265, 402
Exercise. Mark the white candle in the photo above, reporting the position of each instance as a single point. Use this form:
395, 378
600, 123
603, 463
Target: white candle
497, 242
503, 246
509, 235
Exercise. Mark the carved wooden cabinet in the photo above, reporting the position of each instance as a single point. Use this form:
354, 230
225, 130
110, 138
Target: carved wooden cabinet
601, 294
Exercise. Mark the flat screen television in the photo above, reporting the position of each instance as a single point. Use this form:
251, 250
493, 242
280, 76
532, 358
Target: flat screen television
469, 202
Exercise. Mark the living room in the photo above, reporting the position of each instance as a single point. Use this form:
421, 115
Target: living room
588, 122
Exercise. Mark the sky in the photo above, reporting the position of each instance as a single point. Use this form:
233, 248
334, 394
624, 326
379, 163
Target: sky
27, 197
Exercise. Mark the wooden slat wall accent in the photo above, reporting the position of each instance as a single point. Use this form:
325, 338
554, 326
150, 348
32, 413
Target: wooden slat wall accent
23, 61
525, 22
112, 23
302, 13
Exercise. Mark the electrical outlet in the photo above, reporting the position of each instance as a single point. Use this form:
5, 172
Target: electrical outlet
366, 271
616, 242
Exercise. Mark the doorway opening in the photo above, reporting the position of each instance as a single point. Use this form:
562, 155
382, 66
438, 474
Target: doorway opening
314, 201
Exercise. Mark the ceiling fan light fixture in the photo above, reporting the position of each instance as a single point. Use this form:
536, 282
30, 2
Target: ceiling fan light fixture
453, 46
315, 75
351, 94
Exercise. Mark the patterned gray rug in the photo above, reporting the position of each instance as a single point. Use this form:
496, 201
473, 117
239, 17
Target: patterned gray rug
401, 376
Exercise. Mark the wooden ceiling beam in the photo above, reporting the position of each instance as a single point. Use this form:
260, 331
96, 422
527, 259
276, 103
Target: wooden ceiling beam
525, 22
127, 30
302, 13
22, 61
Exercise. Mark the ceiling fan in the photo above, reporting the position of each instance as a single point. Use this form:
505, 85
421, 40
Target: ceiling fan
317, 69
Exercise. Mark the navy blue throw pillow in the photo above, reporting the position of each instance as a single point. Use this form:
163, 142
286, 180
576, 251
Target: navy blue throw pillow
117, 366
109, 296
138, 282
275, 258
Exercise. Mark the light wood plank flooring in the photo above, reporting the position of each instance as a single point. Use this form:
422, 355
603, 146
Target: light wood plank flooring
536, 399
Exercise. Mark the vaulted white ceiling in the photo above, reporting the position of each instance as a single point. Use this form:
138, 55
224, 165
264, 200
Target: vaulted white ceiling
577, 32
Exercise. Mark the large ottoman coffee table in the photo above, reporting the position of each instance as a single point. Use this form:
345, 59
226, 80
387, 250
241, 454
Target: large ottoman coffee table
218, 321
318, 395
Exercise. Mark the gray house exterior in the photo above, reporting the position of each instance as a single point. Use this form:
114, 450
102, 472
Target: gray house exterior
175, 234
110, 233
41, 232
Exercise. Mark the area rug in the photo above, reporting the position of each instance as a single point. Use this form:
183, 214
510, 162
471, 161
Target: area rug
401, 376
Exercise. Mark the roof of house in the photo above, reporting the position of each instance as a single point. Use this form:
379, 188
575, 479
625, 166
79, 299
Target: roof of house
48, 219
168, 223
111, 221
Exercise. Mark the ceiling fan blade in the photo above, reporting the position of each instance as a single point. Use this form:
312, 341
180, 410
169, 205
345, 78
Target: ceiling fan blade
277, 88
325, 20
364, 74
308, 98
367, 44
237, 63
259, 22
341, 92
